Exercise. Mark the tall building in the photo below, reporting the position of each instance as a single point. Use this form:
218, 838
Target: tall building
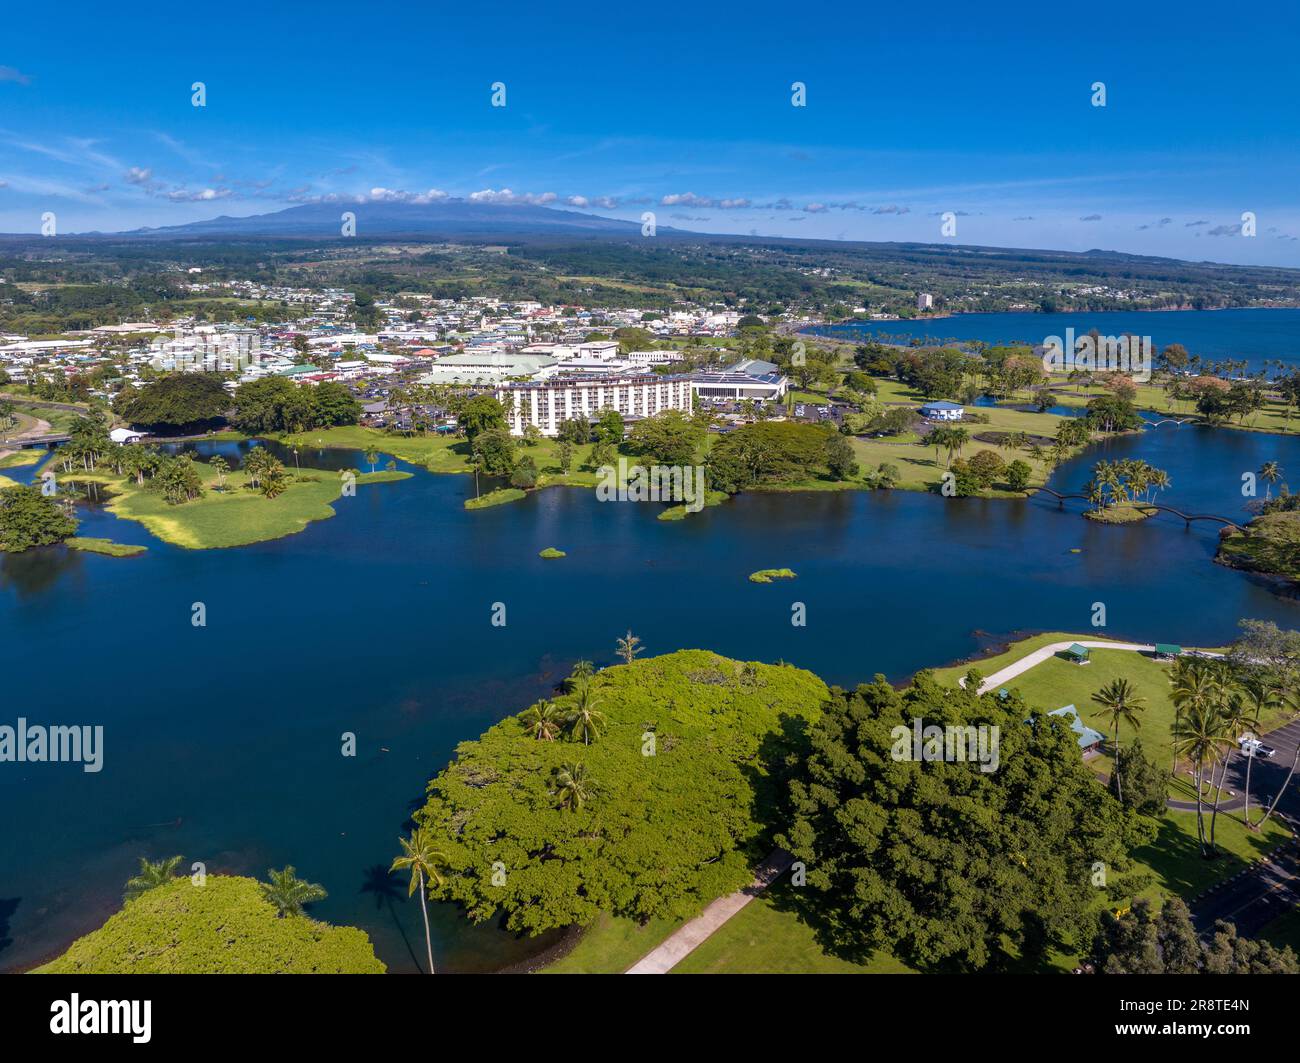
549, 403
924, 301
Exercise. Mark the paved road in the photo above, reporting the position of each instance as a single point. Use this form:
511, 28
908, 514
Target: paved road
688, 937
1254, 898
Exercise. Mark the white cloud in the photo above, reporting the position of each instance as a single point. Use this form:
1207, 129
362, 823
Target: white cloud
393, 195
182, 195
139, 175
508, 198
8, 73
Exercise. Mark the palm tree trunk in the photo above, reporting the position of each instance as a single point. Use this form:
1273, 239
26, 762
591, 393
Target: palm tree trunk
1119, 783
1218, 791
1282, 788
1173, 767
424, 907
1200, 807
1245, 815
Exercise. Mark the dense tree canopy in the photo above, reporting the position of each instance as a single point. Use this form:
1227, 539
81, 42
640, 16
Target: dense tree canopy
276, 404
28, 518
770, 452
175, 402
225, 926
671, 788
940, 862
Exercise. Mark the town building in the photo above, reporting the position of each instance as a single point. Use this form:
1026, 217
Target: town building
943, 410
750, 379
549, 403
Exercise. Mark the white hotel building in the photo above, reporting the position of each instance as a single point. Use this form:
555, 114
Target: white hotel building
549, 403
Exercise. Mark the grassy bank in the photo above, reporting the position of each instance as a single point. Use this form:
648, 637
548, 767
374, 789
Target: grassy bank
235, 516
1270, 544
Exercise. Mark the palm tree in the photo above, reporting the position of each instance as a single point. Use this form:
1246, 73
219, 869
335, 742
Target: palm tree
1292, 702
1233, 717
1120, 701
1262, 696
629, 646
424, 862
1198, 735
1271, 472
289, 893
1193, 688
581, 670
221, 467
1159, 482
584, 719
372, 456
152, 874
571, 786
542, 720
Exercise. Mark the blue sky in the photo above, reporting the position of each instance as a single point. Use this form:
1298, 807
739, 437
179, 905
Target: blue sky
912, 110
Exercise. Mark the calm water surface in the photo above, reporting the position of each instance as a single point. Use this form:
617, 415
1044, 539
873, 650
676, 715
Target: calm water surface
223, 742
1254, 335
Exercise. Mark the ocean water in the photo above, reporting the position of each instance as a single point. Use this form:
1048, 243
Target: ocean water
1255, 335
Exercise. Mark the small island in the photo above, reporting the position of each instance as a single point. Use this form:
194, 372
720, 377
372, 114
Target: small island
767, 575
551, 552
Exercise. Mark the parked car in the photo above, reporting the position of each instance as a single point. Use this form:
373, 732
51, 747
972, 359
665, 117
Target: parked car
1253, 747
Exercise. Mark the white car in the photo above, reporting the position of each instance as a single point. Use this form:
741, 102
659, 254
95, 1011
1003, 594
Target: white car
1253, 747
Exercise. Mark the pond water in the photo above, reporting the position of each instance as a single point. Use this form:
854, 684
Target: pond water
222, 743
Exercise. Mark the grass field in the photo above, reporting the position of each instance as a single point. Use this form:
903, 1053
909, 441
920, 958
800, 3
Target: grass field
1057, 682
233, 517
104, 546
18, 459
768, 936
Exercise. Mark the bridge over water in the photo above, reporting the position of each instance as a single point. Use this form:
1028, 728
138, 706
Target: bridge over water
1187, 517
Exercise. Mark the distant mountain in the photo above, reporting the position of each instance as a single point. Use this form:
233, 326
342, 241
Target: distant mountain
452, 217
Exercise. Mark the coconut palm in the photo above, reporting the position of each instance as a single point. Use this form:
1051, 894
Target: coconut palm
1120, 701
152, 873
1198, 735
1193, 688
1159, 482
1292, 703
425, 864
289, 893
628, 647
1233, 717
372, 456
221, 467
581, 670
1260, 696
571, 786
585, 719
542, 720
1271, 472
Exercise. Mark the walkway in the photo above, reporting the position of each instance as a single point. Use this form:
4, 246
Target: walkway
689, 936
1044, 653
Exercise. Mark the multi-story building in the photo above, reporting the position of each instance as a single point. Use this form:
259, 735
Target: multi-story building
924, 301
549, 403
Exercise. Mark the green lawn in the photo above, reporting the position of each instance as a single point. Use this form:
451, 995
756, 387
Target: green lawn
921, 468
611, 945
1175, 856
768, 937
17, 459
234, 517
